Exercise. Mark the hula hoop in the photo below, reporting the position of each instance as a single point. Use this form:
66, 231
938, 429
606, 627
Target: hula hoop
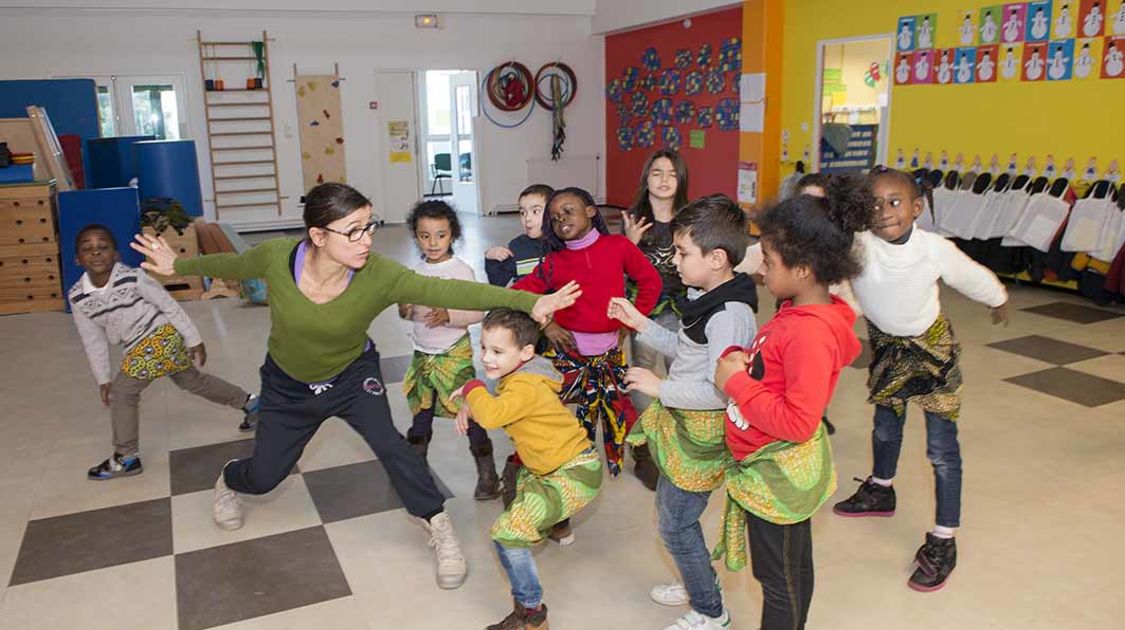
568, 77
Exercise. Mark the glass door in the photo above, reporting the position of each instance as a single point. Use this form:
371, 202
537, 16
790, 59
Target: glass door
151, 106
462, 89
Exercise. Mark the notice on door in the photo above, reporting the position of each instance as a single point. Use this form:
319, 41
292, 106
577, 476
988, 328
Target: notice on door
747, 184
398, 136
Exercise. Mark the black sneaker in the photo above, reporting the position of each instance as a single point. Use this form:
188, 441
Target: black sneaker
523, 619
935, 561
250, 409
871, 499
116, 466
828, 426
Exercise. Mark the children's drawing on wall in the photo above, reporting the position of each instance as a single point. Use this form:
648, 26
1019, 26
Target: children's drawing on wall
1049, 166
967, 29
1010, 63
902, 68
900, 160
905, 31
1119, 19
986, 64
966, 65
1113, 173
1061, 55
1086, 60
1030, 169
1038, 21
1091, 172
1114, 67
959, 163
1069, 171
994, 164
944, 163
990, 24
1063, 22
923, 66
928, 163
1092, 18
1034, 61
944, 67
1013, 165
926, 28
914, 162
1015, 17
976, 166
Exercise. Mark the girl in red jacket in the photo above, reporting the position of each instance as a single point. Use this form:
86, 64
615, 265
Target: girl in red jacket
585, 341
778, 389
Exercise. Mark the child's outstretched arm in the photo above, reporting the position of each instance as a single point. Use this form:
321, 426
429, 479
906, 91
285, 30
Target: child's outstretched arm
155, 294
493, 412
970, 278
656, 337
641, 271
96, 345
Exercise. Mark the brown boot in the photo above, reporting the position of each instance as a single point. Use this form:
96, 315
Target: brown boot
561, 533
522, 619
644, 468
487, 481
420, 444
508, 481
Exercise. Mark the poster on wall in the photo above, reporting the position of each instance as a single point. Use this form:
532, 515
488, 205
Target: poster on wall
986, 64
967, 28
1010, 62
903, 68
1060, 57
965, 68
1113, 60
925, 31
1116, 23
943, 66
1038, 21
923, 67
1034, 61
747, 183
1064, 21
1015, 23
989, 28
398, 137
1087, 56
1091, 18
905, 34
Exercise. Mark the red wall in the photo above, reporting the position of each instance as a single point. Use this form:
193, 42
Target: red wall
713, 169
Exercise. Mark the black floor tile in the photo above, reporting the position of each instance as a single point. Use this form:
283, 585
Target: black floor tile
355, 490
1072, 312
394, 368
1077, 387
85, 541
194, 469
221, 585
1047, 349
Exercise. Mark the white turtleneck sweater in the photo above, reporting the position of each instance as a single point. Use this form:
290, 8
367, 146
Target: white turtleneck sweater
898, 288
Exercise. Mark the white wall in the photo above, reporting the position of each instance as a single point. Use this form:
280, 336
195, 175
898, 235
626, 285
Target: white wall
102, 42
622, 15
535, 7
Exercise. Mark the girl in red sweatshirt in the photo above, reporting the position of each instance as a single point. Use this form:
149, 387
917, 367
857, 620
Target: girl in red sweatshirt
778, 389
585, 341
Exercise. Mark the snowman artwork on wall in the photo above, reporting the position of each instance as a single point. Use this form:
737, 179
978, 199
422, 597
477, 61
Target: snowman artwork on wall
986, 65
923, 66
1061, 55
1114, 59
1093, 18
945, 66
1010, 66
925, 35
966, 64
906, 33
1034, 62
968, 30
1014, 18
1084, 63
1119, 20
1062, 22
902, 69
989, 27
1038, 21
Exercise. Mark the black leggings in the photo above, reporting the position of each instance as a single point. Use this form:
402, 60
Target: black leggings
292, 411
781, 558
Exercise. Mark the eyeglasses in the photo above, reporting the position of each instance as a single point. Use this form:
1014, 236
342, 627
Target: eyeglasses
355, 234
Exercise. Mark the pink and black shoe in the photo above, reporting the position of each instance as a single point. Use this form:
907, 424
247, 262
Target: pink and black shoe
934, 562
871, 499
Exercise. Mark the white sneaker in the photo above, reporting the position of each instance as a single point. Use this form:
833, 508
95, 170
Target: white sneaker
670, 594
227, 509
695, 621
449, 563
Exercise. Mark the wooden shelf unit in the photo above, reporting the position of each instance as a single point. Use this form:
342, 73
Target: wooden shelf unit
215, 55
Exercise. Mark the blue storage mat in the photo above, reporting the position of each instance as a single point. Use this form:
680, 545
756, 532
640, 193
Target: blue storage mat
168, 168
115, 208
17, 174
112, 163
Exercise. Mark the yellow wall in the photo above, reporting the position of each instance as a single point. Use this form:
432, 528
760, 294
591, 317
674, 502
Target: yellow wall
1065, 118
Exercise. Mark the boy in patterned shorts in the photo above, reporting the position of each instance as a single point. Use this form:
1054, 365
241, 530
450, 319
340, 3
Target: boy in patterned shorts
113, 303
561, 470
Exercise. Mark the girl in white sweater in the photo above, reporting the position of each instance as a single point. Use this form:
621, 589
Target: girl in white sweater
915, 359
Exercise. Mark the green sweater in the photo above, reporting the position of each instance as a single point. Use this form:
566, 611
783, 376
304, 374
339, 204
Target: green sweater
315, 342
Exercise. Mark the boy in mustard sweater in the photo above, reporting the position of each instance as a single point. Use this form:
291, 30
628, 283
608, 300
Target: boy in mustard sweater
562, 472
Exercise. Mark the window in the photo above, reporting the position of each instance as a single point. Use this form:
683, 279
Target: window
155, 111
106, 119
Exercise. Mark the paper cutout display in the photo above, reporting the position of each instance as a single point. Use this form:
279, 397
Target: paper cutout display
703, 58
730, 55
624, 138
629, 78
669, 81
697, 139
1015, 23
986, 64
1011, 62
967, 29
639, 103
1063, 27
904, 40
716, 81
904, 66
705, 117
683, 58
644, 134
671, 138
1034, 61
1087, 58
990, 19
1114, 58
964, 70
943, 66
1038, 21
662, 111
693, 83
1060, 57
685, 112
650, 59
1091, 18
1116, 23
613, 91
923, 67
726, 114
647, 82
925, 31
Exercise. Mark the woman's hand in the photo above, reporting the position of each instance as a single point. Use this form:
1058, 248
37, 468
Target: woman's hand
642, 380
436, 317
730, 365
559, 337
547, 305
497, 253
156, 249
635, 230
623, 311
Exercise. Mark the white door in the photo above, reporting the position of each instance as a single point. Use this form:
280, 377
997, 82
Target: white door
398, 153
462, 93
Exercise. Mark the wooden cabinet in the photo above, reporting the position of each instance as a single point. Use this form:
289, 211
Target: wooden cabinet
30, 276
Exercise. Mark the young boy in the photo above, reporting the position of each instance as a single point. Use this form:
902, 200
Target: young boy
505, 265
561, 470
683, 426
116, 304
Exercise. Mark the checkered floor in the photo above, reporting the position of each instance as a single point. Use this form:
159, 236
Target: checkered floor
331, 546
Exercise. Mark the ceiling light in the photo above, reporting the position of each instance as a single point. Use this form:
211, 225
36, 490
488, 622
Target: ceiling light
426, 20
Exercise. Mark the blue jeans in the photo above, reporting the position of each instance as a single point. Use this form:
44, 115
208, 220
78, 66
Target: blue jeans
678, 512
520, 567
942, 449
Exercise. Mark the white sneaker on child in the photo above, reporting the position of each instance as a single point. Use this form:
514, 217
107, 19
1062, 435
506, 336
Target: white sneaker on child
695, 621
227, 509
670, 594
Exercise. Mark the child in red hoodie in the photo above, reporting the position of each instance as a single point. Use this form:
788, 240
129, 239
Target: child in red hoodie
586, 341
778, 389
